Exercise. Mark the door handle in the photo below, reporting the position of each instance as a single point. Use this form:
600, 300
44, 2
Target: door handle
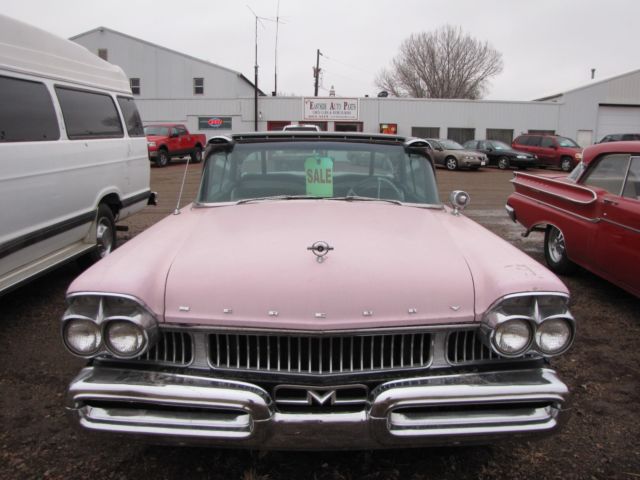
608, 201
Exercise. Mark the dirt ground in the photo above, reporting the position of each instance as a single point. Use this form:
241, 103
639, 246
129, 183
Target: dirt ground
600, 441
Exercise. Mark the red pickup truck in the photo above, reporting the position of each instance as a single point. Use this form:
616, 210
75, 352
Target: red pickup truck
168, 140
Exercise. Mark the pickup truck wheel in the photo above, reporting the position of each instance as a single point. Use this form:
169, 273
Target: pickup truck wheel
105, 227
555, 252
565, 164
503, 163
451, 163
162, 160
196, 155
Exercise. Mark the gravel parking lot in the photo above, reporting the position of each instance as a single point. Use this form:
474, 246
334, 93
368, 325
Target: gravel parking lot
601, 439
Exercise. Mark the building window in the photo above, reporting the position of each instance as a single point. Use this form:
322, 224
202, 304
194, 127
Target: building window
502, 134
198, 86
103, 54
134, 83
425, 132
461, 135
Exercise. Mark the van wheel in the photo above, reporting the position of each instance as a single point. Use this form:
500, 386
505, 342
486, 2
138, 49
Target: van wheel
196, 155
503, 163
105, 227
162, 160
451, 163
565, 164
555, 252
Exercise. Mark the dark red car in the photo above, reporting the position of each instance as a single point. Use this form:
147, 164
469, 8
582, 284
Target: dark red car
551, 150
590, 218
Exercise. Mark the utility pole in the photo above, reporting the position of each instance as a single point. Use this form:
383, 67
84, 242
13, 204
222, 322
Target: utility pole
316, 73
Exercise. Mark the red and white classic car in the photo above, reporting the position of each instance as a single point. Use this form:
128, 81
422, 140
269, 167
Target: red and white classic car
307, 300
590, 218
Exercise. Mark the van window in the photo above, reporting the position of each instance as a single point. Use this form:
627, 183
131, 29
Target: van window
89, 114
131, 116
26, 112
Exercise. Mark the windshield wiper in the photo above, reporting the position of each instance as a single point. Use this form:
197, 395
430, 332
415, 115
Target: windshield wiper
278, 197
348, 198
357, 198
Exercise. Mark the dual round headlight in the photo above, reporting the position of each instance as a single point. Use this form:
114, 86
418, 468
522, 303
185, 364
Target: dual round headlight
83, 337
553, 336
121, 338
515, 337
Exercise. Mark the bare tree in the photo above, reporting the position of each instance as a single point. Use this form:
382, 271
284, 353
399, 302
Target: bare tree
445, 63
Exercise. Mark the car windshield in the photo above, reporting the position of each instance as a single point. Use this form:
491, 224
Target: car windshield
567, 142
499, 145
450, 145
317, 169
576, 173
156, 130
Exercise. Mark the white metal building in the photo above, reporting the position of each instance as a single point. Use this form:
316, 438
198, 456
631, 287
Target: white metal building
173, 87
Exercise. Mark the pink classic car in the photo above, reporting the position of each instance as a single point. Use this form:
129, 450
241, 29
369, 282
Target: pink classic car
590, 218
308, 301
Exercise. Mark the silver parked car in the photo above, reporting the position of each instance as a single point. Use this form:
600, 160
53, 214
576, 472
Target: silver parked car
453, 156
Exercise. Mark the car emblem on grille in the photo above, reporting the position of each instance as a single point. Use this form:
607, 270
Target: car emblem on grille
320, 249
318, 396
321, 398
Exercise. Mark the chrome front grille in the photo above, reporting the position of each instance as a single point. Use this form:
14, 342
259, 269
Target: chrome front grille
172, 348
319, 354
465, 347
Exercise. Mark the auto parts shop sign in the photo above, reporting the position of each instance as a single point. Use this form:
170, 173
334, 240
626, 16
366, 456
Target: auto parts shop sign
330, 108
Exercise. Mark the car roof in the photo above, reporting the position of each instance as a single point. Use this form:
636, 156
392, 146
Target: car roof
311, 135
594, 151
30, 50
298, 136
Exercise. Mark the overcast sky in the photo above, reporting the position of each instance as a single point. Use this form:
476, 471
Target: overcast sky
548, 46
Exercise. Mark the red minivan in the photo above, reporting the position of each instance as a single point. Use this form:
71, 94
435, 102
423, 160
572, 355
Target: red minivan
551, 150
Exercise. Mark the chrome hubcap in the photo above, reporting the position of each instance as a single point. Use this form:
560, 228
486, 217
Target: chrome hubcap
556, 245
503, 163
451, 164
104, 237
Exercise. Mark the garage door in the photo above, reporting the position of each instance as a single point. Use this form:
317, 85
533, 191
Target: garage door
617, 120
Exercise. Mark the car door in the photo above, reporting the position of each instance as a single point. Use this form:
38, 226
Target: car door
183, 139
438, 152
618, 234
491, 154
547, 151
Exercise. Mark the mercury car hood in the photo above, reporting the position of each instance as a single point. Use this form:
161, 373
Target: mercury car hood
253, 262
249, 266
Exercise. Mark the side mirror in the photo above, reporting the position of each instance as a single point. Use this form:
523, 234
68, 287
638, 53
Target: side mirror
440, 149
459, 200
174, 135
489, 149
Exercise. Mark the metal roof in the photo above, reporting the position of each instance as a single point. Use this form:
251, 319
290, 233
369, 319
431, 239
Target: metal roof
175, 52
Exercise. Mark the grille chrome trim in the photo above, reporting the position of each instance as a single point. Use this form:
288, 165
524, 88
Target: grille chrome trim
173, 348
464, 347
314, 355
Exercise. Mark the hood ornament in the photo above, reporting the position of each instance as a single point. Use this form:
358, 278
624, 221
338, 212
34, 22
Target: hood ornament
320, 249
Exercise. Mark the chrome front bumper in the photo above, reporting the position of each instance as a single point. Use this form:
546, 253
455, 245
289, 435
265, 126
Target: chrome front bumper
433, 410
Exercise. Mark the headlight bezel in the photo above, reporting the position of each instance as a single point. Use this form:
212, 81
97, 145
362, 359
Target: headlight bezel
131, 309
71, 321
535, 308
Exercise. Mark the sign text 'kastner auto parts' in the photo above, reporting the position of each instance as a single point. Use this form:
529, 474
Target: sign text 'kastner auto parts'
330, 108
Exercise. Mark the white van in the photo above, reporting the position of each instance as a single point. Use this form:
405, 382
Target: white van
73, 155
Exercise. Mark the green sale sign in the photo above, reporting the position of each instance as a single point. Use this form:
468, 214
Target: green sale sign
319, 175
